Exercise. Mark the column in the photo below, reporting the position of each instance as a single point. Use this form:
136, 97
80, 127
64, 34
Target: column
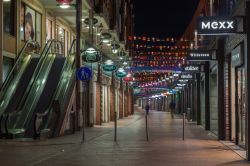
98, 103
1, 42
198, 101
78, 63
194, 111
207, 101
247, 67
220, 97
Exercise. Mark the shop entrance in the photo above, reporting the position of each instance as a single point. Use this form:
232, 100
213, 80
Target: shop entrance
240, 107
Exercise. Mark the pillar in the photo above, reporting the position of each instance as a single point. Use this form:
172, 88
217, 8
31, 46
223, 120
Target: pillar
78, 62
247, 67
207, 100
198, 100
220, 97
1, 42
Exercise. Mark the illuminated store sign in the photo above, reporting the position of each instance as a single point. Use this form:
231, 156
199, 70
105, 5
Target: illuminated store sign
216, 25
186, 76
237, 56
198, 55
192, 68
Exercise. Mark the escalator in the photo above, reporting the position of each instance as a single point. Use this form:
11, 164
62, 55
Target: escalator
18, 78
52, 82
56, 113
52, 120
20, 120
14, 120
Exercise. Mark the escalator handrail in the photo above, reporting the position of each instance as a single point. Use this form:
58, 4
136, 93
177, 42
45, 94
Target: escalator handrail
37, 70
47, 111
35, 45
43, 56
66, 63
53, 41
71, 46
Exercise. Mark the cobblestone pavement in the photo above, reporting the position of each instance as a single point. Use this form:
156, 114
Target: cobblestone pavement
164, 148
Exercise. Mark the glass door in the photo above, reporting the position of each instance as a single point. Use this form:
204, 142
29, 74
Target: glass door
241, 111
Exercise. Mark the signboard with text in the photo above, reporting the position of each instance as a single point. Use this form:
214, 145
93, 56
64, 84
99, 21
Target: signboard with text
200, 55
186, 76
192, 68
214, 25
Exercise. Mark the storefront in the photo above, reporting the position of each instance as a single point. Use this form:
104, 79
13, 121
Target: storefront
213, 98
238, 93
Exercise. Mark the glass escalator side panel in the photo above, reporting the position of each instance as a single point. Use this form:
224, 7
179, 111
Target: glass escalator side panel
34, 94
11, 85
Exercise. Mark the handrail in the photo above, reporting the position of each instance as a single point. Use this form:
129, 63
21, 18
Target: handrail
28, 43
71, 47
57, 89
66, 67
39, 70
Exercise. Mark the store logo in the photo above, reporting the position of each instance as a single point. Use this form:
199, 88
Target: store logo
201, 55
192, 68
216, 25
187, 76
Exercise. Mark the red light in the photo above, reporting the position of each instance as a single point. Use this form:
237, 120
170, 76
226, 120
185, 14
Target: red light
64, 1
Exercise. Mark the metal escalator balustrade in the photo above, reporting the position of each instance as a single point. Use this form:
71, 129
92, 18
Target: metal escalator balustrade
11, 83
61, 98
18, 119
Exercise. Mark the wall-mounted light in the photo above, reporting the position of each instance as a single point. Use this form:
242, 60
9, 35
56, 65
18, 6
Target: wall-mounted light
115, 48
125, 63
105, 38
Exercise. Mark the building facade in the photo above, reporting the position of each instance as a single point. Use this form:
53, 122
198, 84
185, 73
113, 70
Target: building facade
40, 22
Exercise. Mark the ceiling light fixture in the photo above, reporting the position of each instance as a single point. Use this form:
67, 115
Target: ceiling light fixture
64, 6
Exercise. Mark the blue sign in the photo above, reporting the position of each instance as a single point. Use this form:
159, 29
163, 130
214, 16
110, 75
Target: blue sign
84, 74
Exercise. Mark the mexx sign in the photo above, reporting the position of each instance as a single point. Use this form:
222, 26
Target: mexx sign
216, 25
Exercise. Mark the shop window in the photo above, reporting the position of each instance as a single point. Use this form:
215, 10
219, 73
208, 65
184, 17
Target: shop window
48, 29
38, 27
30, 24
61, 36
7, 66
230, 5
9, 17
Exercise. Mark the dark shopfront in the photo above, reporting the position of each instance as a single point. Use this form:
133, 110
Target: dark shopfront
238, 96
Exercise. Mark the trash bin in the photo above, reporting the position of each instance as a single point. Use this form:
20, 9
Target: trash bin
188, 114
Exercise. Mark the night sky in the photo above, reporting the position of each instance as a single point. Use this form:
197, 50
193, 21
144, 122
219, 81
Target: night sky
163, 18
